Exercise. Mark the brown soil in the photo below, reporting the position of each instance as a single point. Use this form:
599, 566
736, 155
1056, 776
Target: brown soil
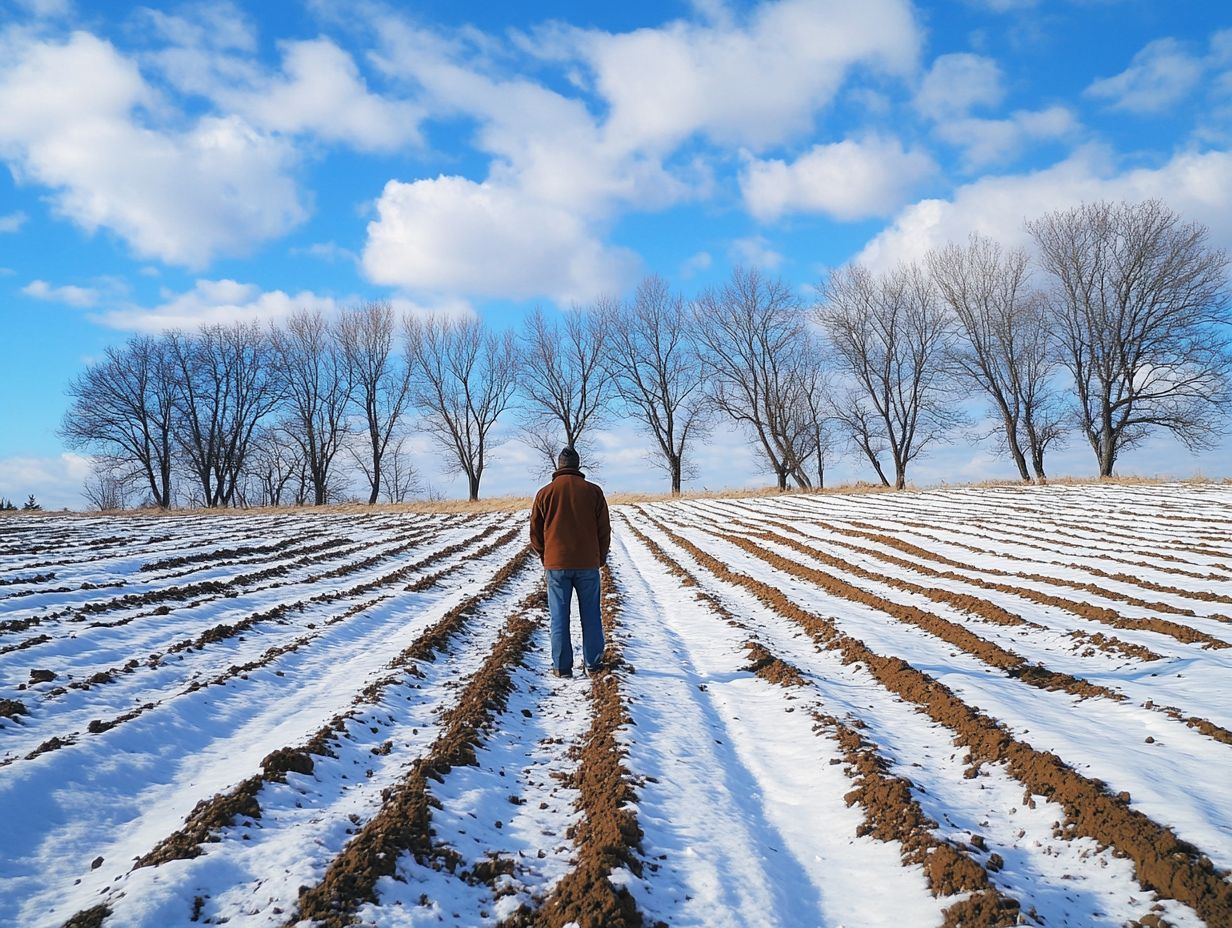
211, 815
964, 602
1162, 861
403, 823
879, 530
609, 835
989, 652
1182, 633
89, 918
891, 813
11, 708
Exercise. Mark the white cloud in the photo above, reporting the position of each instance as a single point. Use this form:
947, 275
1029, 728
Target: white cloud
321, 93
957, 83
1197, 185
1160, 75
559, 175
450, 234
327, 251
54, 481
69, 294
695, 264
996, 141
214, 301
752, 83
852, 179
69, 121
12, 222
755, 251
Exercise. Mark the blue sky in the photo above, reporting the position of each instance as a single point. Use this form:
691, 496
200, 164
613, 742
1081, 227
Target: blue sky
175, 164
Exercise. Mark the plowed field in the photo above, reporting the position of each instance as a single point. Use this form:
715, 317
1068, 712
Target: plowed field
964, 707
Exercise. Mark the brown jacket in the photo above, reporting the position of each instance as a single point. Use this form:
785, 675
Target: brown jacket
569, 527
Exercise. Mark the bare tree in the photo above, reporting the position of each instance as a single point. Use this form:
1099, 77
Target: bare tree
123, 407
1141, 311
110, 485
463, 379
657, 372
563, 378
277, 466
382, 381
890, 336
753, 339
1005, 350
401, 480
815, 412
317, 389
225, 388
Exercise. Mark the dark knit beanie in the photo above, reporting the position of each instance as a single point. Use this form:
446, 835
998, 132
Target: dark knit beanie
568, 457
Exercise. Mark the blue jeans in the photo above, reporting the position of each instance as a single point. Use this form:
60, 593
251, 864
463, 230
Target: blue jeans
561, 584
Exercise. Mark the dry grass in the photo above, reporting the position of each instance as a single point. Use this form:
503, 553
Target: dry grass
517, 503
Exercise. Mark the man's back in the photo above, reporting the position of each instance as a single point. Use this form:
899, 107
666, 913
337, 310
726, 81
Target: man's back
569, 526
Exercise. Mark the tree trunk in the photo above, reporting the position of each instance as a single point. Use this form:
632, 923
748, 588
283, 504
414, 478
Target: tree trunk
675, 465
781, 474
473, 482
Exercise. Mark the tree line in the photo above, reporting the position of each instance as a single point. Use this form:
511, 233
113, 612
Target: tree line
1118, 328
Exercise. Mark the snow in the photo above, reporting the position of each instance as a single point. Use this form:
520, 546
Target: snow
741, 794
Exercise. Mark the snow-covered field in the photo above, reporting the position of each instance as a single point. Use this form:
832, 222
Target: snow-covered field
967, 706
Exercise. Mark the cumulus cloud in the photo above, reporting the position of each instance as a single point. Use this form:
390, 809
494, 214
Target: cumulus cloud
1163, 73
957, 83
68, 294
566, 173
214, 301
453, 234
750, 83
319, 92
995, 141
852, 179
69, 120
755, 251
1198, 185
12, 222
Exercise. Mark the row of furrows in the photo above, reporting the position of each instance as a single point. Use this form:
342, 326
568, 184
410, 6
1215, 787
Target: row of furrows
609, 836
1102, 553
1131, 579
971, 604
208, 820
1172, 867
1075, 524
317, 629
286, 547
392, 546
988, 652
1083, 609
224, 630
891, 812
207, 591
999, 534
1073, 513
403, 824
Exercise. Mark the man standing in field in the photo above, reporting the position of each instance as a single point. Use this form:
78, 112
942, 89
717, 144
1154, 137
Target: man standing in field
570, 531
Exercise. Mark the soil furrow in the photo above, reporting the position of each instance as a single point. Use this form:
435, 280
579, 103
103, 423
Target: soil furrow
609, 836
1101, 614
223, 632
891, 813
1163, 862
211, 815
403, 823
962, 601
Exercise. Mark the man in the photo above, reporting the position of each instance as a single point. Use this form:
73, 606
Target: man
570, 531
